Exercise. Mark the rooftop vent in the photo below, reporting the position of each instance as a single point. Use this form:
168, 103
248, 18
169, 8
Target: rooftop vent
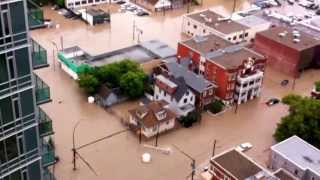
307, 158
203, 15
296, 40
282, 34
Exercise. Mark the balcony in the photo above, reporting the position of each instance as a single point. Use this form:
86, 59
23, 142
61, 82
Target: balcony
42, 91
47, 175
47, 153
35, 15
45, 124
39, 55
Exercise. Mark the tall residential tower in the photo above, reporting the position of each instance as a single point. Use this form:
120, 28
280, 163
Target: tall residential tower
26, 148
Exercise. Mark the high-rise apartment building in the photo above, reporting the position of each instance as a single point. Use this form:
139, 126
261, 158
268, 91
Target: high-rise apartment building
26, 148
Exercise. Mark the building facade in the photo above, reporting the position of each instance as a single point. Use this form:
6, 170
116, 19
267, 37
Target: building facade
237, 71
25, 146
297, 157
203, 89
176, 93
235, 165
288, 50
208, 22
153, 118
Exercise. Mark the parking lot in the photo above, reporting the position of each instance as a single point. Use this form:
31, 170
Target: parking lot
119, 158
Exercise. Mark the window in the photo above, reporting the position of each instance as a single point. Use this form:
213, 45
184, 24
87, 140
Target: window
191, 98
157, 97
188, 93
204, 93
24, 175
12, 69
11, 148
234, 38
21, 144
195, 26
16, 108
246, 35
3, 69
229, 38
188, 23
204, 31
251, 82
185, 100
296, 172
210, 92
241, 36
165, 93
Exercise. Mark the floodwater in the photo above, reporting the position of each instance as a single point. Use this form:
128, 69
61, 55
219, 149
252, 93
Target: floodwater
119, 157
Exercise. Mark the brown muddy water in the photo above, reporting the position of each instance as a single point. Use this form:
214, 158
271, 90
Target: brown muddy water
119, 158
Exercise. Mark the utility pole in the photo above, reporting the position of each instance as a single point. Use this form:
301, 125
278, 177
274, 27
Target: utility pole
133, 29
214, 147
75, 149
157, 136
193, 161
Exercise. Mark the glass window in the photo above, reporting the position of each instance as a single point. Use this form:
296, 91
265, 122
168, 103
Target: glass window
185, 100
6, 23
24, 175
16, 108
16, 175
22, 62
2, 153
3, 69
6, 111
12, 69
17, 17
11, 148
21, 144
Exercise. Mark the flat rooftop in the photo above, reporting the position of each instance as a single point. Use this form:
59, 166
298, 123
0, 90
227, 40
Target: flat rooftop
206, 44
299, 152
141, 53
217, 22
233, 56
251, 21
305, 40
239, 165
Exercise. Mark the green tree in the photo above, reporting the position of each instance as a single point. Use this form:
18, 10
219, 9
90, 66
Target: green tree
303, 120
60, 3
188, 120
132, 84
216, 106
88, 82
317, 85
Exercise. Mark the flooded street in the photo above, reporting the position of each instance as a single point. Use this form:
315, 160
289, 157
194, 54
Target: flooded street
118, 158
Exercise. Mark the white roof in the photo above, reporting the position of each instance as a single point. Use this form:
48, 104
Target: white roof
251, 21
300, 153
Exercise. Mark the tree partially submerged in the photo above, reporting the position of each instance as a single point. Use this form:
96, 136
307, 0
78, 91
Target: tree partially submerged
303, 120
216, 106
317, 86
192, 117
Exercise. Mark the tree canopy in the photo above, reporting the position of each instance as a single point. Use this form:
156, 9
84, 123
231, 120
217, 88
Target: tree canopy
125, 74
303, 120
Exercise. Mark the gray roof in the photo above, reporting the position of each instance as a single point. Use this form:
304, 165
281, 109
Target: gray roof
159, 48
181, 89
194, 81
251, 21
300, 153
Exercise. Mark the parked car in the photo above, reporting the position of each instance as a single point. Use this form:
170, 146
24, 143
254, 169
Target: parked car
272, 101
244, 147
142, 13
121, 2
318, 12
284, 82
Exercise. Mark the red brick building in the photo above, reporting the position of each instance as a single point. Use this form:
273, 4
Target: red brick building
288, 50
225, 65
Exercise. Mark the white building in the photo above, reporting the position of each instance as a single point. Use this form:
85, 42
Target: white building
297, 157
153, 118
73, 4
176, 93
208, 22
255, 25
249, 83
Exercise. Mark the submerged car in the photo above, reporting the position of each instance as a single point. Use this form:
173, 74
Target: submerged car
244, 147
272, 101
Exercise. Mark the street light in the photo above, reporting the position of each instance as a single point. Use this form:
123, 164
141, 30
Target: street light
193, 161
54, 57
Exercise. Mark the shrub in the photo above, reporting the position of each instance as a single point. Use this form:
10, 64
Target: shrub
216, 106
188, 120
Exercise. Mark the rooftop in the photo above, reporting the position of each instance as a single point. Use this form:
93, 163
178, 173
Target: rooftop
284, 175
240, 166
149, 112
251, 21
233, 56
299, 152
198, 83
217, 22
179, 89
206, 44
285, 36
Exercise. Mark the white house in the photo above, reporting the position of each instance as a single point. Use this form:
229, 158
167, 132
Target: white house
209, 22
176, 93
73, 4
153, 118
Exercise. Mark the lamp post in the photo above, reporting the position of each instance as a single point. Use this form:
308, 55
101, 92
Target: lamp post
193, 161
53, 54
74, 145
